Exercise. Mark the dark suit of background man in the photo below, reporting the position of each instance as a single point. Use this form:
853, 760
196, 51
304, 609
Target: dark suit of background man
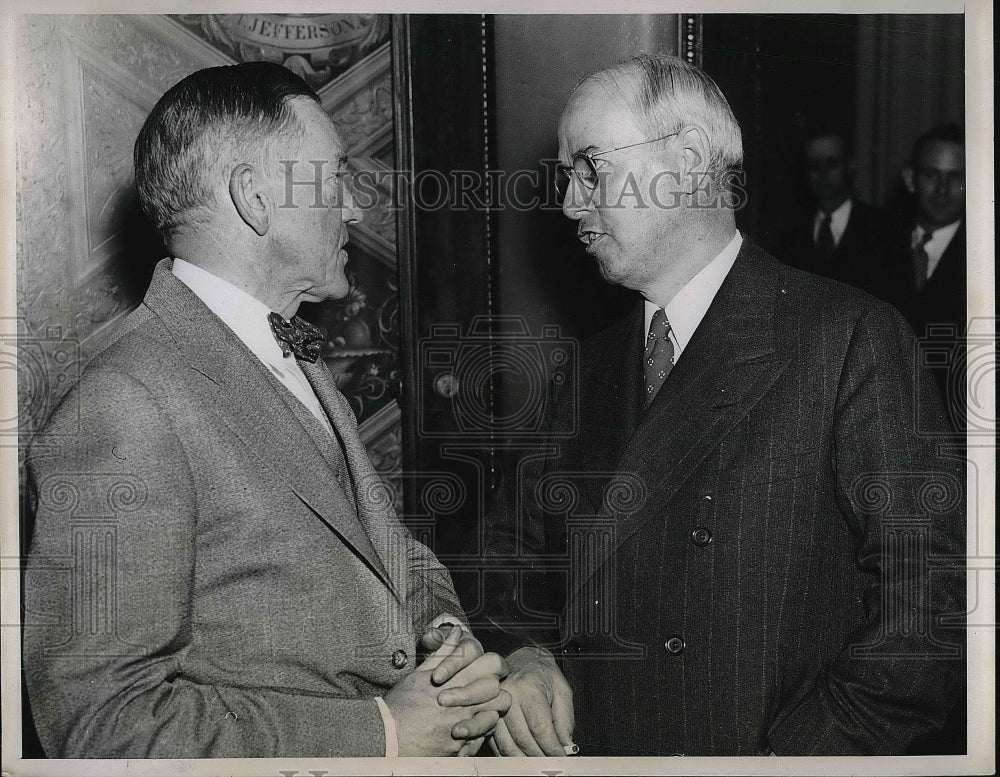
733, 525
843, 238
215, 569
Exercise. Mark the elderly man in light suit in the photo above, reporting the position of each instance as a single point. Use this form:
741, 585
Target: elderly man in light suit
248, 591
749, 531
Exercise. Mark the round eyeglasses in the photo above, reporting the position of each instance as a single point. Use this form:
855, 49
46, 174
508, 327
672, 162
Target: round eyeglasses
584, 168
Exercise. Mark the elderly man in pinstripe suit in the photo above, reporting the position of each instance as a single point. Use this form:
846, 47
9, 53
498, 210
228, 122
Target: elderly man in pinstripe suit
783, 574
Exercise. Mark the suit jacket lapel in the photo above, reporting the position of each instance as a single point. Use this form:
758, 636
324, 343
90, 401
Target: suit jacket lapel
374, 500
610, 398
249, 404
724, 370
729, 364
951, 270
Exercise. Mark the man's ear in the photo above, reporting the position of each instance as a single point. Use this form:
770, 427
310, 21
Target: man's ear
908, 179
696, 152
251, 200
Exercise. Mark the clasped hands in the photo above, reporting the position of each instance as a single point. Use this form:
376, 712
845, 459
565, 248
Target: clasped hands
451, 701
459, 695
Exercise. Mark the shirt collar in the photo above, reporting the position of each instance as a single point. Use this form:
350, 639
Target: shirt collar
939, 241
244, 314
941, 234
688, 307
838, 219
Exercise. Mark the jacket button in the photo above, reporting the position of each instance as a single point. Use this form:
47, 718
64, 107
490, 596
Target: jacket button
399, 659
701, 536
674, 646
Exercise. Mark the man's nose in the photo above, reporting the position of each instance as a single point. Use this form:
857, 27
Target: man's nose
351, 213
577, 200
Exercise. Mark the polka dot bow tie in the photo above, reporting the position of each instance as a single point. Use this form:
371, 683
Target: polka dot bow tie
297, 337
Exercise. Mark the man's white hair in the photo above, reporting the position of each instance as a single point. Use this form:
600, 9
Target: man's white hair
665, 93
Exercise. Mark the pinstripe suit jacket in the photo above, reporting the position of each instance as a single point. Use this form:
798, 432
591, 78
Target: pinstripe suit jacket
757, 562
197, 584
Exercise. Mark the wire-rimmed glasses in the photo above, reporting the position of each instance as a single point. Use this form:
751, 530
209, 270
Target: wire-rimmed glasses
584, 168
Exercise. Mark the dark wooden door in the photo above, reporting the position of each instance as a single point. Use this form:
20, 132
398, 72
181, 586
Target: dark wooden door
444, 86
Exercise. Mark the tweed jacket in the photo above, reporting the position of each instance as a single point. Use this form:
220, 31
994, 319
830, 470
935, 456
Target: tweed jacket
198, 585
768, 558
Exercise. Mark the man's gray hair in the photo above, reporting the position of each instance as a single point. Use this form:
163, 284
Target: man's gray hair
202, 127
665, 93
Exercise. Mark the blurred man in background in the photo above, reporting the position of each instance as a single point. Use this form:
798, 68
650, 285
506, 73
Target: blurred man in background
843, 238
932, 249
929, 257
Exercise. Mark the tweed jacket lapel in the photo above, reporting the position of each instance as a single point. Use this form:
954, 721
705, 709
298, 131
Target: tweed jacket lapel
248, 402
729, 364
374, 501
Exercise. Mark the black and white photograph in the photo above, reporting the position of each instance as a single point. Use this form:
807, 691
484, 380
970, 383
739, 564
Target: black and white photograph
560, 389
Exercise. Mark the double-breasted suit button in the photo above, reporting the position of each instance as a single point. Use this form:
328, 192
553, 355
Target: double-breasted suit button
701, 536
674, 645
399, 659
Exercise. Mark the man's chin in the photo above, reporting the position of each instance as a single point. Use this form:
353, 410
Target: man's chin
336, 286
609, 271
338, 290
940, 219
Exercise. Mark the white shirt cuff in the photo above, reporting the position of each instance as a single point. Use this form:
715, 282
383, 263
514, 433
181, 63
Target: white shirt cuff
446, 618
391, 740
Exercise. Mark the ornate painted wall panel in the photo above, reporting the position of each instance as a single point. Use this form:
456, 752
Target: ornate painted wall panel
84, 253
319, 47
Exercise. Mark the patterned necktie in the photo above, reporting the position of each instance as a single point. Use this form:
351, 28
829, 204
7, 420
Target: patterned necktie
824, 239
297, 337
920, 260
659, 357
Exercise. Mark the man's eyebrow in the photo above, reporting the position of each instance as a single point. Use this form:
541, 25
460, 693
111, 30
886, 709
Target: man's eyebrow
585, 150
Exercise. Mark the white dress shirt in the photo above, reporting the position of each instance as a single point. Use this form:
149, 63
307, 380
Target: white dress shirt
247, 317
838, 222
937, 245
686, 310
